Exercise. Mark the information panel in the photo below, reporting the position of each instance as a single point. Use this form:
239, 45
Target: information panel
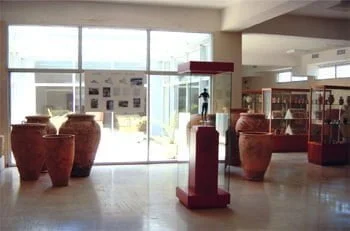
122, 92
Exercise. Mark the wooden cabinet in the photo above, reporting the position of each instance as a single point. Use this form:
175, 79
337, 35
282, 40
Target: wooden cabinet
329, 133
287, 112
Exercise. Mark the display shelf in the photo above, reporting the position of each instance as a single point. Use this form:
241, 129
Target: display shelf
252, 100
329, 133
287, 112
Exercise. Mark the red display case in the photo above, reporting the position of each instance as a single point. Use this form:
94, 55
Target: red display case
329, 133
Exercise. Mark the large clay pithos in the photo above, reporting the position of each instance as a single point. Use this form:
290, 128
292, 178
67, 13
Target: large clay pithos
235, 114
252, 122
28, 149
59, 157
255, 150
50, 128
43, 119
87, 137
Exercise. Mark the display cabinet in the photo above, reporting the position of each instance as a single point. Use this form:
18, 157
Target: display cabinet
252, 100
329, 133
203, 182
287, 112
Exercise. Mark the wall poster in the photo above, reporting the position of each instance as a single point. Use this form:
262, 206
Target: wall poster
122, 92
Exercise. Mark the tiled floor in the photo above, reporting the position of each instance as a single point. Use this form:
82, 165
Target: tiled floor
295, 195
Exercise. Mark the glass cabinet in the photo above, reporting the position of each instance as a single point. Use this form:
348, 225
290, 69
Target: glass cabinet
252, 100
329, 133
287, 112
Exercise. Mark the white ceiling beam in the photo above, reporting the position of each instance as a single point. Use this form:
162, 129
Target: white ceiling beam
246, 13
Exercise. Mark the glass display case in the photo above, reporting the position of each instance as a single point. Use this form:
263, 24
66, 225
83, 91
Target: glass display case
287, 112
252, 101
203, 181
329, 133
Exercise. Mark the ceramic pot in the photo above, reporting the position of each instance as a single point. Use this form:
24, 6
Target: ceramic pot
43, 119
252, 122
28, 149
235, 114
59, 157
50, 128
87, 138
255, 153
232, 151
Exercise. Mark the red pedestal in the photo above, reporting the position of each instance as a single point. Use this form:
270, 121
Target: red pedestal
328, 154
202, 190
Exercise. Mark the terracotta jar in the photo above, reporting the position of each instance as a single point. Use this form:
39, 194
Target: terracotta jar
59, 157
87, 137
252, 122
28, 149
235, 114
255, 149
43, 119
50, 128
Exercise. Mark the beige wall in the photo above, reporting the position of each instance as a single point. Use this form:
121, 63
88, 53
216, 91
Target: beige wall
227, 47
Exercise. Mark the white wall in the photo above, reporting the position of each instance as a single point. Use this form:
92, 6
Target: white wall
112, 14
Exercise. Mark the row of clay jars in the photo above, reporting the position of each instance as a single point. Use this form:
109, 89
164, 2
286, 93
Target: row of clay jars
29, 152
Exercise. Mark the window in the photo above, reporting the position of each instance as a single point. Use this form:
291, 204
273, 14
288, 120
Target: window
43, 47
114, 49
299, 78
326, 72
343, 71
283, 77
168, 49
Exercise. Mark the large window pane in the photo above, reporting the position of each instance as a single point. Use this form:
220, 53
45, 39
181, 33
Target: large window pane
326, 72
284, 77
35, 93
168, 49
343, 71
43, 47
114, 49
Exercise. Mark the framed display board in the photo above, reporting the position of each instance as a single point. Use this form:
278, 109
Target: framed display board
122, 92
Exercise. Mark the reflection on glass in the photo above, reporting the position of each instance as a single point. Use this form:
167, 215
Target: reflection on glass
43, 47
173, 99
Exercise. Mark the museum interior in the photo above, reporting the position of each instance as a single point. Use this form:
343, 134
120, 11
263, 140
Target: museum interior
175, 115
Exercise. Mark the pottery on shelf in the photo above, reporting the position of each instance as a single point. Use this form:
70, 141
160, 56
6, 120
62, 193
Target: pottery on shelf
59, 150
28, 149
87, 137
255, 149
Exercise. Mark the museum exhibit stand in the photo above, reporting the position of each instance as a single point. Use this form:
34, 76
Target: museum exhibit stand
329, 133
252, 101
202, 181
287, 112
